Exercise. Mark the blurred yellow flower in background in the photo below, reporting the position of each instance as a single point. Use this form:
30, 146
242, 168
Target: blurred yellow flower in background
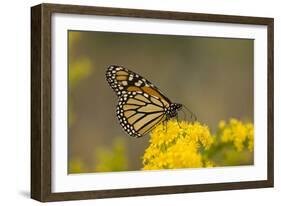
177, 146
112, 159
238, 133
79, 68
76, 166
73, 37
233, 144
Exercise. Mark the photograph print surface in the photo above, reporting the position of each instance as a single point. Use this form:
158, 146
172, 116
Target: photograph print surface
151, 102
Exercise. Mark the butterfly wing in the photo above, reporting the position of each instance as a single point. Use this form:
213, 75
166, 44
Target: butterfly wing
141, 105
123, 80
139, 112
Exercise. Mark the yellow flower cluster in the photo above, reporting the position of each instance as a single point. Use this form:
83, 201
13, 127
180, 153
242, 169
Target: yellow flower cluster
239, 133
177, 145
80, 67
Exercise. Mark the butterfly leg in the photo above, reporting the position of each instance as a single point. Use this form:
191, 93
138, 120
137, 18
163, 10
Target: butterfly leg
178, 122
164, 124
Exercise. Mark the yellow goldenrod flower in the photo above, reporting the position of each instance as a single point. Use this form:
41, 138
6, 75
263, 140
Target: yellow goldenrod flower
250, 129
177, 146
221, 124
238, 133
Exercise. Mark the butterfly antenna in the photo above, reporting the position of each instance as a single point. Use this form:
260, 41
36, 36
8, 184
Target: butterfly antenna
192, 115
184, 115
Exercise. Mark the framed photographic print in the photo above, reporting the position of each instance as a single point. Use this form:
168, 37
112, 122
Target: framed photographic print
132, 102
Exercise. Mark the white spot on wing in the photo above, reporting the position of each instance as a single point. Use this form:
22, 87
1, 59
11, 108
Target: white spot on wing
125, 83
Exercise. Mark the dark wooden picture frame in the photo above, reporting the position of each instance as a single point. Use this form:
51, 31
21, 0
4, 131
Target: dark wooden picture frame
41, 102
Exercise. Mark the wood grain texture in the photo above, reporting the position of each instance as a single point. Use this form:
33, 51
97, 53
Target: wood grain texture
41, 101
270, 102
36, 170
138, 13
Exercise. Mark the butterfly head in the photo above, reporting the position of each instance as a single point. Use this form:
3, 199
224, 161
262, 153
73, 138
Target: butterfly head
173, 109
177, 106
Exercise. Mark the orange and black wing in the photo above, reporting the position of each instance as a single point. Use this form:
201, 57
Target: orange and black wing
123, 80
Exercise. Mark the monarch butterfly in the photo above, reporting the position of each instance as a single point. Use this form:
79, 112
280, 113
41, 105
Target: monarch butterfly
141, 105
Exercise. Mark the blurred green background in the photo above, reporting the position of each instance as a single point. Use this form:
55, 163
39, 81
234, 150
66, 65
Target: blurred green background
213, 77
